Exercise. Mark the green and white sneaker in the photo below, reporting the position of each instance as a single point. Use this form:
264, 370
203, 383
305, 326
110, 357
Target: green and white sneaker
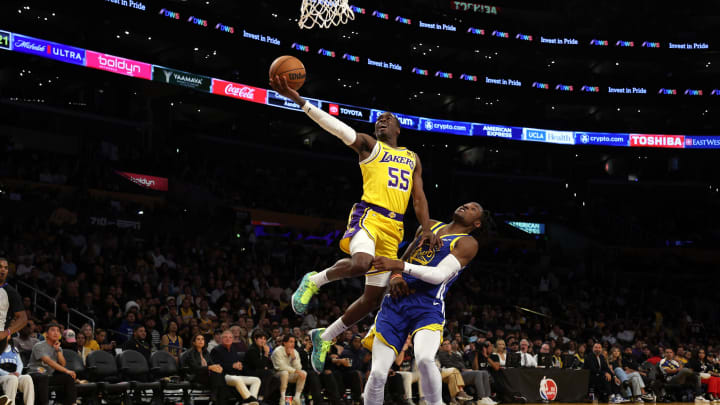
304, 293
320, 349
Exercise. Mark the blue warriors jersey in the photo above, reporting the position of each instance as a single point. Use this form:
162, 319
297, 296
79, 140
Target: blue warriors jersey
424, 308
426, 256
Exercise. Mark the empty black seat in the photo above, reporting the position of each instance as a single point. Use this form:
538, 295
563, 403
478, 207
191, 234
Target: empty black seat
164, 367
102, 369
134, 368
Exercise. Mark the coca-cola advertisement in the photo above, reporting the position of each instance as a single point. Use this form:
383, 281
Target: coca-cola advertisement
143, 180
241, 91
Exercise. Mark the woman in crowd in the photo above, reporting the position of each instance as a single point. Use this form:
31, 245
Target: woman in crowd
201, 372
501, 352
90, 344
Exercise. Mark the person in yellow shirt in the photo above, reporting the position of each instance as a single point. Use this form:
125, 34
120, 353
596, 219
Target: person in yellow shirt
90, 343
391, 176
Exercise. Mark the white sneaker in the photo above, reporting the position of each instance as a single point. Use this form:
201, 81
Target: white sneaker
486, 401
701, 398
639, 400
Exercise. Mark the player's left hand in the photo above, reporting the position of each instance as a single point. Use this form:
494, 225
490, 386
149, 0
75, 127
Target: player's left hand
429, 238
280, 84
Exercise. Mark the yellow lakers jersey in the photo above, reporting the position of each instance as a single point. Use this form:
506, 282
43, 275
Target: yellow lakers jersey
388, 177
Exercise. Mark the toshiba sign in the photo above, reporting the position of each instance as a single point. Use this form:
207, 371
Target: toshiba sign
241, 91
657, 141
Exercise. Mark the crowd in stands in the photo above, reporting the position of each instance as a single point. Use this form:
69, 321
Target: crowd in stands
181, 293
179, 285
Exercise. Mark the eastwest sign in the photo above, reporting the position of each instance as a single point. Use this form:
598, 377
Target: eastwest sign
180, 78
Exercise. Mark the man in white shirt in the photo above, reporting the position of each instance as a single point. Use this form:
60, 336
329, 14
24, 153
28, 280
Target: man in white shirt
286, 361
526, 359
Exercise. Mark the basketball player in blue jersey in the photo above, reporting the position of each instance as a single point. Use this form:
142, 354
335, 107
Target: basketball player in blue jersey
416, 303
391, 175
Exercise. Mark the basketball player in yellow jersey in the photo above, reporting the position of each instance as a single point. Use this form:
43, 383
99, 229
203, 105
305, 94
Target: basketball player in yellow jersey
391, 175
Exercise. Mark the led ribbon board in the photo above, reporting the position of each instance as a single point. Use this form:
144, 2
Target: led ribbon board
137, 69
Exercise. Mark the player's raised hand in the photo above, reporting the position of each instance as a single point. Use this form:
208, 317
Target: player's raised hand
431, 239
280, 84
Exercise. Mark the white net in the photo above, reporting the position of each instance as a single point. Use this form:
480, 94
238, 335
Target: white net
324, 13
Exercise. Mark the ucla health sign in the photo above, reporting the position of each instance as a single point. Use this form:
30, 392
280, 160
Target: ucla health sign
549, 136
47, 49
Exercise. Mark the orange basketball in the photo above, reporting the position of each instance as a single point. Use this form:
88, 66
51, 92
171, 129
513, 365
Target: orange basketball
291, 68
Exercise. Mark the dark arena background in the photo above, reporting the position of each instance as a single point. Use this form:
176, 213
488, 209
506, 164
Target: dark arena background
154, 187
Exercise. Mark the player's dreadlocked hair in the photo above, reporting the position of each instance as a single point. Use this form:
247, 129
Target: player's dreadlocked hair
487, 225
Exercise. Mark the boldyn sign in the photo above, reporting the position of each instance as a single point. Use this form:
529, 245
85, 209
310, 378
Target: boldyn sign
116, 64
47, 49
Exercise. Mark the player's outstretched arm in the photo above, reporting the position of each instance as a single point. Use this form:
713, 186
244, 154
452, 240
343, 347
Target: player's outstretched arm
465, 250
363, 144
422, 212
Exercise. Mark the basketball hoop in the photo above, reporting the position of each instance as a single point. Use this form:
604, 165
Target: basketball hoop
324, 13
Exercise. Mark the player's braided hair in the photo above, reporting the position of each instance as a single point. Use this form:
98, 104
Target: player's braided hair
487, 225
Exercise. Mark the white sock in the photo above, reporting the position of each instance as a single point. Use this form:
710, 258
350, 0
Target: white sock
320, 279
334, 330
